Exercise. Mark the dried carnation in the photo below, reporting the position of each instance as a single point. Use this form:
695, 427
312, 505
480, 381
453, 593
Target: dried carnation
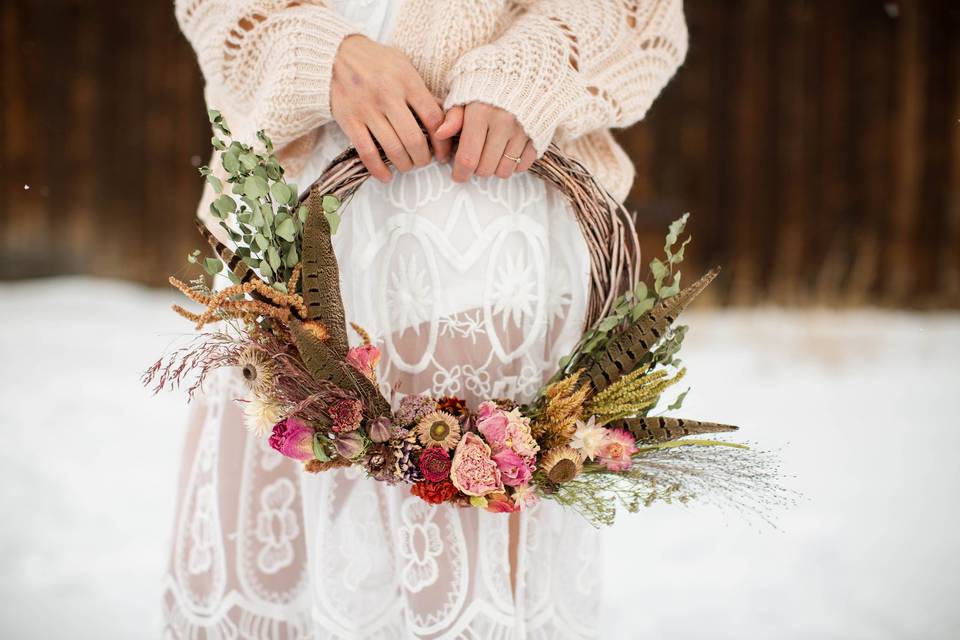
435, 464
346, 414
412, 408
434, 492
438, 429
561, 464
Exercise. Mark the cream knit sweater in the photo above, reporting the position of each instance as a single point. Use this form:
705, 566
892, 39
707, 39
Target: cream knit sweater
567, 69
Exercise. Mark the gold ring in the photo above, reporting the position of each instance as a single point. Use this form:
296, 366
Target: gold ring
507, 155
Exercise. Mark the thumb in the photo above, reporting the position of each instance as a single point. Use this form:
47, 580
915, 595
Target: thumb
452, 123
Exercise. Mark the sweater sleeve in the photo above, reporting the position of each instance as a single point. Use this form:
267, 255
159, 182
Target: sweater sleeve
267, 63
565, 68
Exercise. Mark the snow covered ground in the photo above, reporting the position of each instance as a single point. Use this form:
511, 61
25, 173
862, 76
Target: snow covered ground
865, 407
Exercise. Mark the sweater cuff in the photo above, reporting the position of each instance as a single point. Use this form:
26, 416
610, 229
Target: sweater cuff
313, 48
535, 96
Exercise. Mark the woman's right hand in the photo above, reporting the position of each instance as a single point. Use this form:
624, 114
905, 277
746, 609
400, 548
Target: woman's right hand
375, 94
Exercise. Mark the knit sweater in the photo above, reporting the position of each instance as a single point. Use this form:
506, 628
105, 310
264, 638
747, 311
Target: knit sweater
568, 70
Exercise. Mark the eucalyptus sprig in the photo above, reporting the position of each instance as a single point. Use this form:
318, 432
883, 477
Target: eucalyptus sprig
630, 306
257, 207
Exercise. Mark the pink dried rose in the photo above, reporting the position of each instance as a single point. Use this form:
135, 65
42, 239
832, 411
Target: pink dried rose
500, 503
617, 449
506, 430
293, 438
346, 414
492, 424
364, 359
514, 469
473, 472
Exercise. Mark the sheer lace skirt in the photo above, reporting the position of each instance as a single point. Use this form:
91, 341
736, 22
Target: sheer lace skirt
471, 290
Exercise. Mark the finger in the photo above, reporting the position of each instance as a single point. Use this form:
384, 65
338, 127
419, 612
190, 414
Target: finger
431, 116
367, 151
452, 123
501, 129
383, 131
528, 157
411, 135
508, 166
471, 144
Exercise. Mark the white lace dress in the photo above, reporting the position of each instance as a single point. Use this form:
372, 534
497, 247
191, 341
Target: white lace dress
471, 290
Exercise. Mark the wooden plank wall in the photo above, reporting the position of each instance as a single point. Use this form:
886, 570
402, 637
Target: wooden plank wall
815, 142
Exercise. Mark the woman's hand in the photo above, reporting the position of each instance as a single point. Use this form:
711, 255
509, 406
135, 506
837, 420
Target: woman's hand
488, 136
376, 93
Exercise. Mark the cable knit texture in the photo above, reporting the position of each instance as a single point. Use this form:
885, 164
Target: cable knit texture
569, 70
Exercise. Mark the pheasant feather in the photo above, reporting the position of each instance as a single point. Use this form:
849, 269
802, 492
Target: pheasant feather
661, 429
321, 277
632, 345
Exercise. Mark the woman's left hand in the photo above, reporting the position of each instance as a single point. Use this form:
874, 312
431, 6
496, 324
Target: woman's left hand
490, 141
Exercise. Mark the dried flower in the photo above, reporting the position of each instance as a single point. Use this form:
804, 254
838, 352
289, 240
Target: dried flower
616, 452
349, 445
588, 438
412, 408
257, 370
514, 469
562, 464
506, 430
434, 492
524, 496
454, 406
407, 453
380, 461
435, 464
364, 359
260, 415
438, 429
380, 430
472, 470
500, 503
293, 439
346, 414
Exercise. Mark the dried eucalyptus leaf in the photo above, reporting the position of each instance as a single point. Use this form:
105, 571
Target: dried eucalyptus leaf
248, 160
333, 219
212, 266
287, 230
302, 214
330, 204
280, 192
225, 205
231, 162
292, 258
608, 323
260, 242
273, 257
255, 187
215, 183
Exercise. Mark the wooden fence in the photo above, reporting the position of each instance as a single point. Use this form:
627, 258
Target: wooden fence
815, 142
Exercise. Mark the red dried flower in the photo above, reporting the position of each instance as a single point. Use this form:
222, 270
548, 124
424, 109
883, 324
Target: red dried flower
456, 407
346, 414
435, 464
434, 492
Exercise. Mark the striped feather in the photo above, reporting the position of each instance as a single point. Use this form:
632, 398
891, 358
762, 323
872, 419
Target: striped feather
631, 346
234, 262
660, 429
323, 365
321, 277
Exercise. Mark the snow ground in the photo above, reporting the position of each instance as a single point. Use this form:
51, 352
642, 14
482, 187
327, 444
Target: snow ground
865, 406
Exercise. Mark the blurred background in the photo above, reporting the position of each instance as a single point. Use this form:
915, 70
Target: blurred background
816, 144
